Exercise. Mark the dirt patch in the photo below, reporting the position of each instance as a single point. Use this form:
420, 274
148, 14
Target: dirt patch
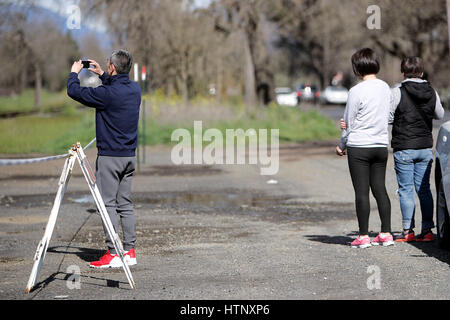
180, 170
155, 239
7, 260
24, 220
227, 198
294, 152
27, 201
35, 177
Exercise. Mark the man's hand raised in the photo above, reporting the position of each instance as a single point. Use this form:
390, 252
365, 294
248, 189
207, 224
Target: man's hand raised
95, 67
77, 66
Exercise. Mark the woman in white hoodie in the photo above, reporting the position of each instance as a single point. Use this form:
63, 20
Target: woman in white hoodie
366, 140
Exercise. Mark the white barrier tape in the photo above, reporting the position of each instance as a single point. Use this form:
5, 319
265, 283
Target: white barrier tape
11, 162
89, 144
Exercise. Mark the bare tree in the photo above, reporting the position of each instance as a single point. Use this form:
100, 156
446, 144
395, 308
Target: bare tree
246, 19
170, 37
448, 20
316, 36
36, 50
415, 28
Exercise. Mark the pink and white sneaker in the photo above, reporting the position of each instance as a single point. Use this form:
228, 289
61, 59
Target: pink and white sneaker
361, 242
383, 240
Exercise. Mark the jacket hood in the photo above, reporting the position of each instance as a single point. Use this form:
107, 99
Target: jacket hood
419, 91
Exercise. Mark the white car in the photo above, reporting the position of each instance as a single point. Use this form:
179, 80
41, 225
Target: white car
335, 95
286, 97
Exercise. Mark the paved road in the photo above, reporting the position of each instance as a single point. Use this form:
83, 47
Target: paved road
216, 232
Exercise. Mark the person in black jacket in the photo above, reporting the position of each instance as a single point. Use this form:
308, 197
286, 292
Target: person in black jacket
415, 104
117, 102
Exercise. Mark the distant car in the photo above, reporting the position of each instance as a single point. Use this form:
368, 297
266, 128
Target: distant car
442, 182
286, 97
334, 95
307, 92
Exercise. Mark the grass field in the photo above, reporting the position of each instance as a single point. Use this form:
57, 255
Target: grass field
24, 102
54, 133
45, 134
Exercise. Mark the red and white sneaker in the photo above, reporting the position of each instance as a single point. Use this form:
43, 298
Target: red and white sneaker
130, 257
361, 242
425, 236
107, 261
383, 240
406, 237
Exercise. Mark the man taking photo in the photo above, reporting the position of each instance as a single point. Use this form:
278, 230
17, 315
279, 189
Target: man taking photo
117, 103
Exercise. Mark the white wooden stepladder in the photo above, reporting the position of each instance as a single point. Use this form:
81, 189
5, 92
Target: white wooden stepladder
76, 152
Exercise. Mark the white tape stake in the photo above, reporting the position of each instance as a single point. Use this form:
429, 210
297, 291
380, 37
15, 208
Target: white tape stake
43, 244
144, 73
76, 152
136, 72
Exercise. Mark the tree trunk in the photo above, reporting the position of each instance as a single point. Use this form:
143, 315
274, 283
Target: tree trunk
184, 90
37, 85
448, 20
22, 54
219, 84
23, 80
250, 81
326, 49
184, 87
184, 76
169, 89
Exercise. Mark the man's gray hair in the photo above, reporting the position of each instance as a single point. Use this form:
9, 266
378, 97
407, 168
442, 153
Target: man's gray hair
122, 60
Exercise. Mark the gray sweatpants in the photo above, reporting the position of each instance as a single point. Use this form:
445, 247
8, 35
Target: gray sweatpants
114, 176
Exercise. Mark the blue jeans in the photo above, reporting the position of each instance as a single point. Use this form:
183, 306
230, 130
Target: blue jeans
413, 168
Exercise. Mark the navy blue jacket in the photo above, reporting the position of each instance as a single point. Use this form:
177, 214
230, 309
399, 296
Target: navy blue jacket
117, 103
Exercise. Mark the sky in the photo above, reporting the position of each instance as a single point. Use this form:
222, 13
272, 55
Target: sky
62, 7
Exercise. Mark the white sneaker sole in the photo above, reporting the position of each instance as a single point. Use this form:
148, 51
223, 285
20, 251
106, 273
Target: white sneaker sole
363, 246
384, 244
130, 261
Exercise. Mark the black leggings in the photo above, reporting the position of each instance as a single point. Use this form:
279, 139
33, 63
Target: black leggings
368, 169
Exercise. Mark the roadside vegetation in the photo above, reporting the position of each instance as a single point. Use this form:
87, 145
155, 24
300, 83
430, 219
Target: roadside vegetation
60, 122
23, 104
